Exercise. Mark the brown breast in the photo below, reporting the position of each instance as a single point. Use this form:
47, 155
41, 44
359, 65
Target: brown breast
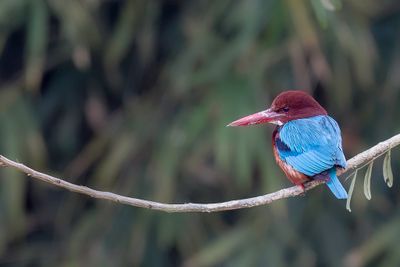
294, 176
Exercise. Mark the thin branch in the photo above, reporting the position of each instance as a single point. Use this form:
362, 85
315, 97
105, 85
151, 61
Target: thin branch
354, 163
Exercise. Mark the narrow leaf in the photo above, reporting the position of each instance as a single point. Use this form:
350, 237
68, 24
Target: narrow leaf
331, 5
37, 32
367, 181
320, 12
387, 169
351, 189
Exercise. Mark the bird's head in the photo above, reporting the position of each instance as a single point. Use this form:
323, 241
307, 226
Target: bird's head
287, 106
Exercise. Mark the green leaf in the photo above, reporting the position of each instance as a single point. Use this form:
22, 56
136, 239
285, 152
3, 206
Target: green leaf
320, 12
124, 33
36, 44
351, 189
331, 5
387, 169
367, 181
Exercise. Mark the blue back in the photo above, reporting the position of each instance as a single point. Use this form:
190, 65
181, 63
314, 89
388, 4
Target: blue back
311, 145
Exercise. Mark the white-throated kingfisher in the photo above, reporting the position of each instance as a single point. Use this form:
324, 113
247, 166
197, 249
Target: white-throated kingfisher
306, 142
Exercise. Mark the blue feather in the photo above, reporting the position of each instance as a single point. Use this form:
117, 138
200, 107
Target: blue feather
312, 146
335, 186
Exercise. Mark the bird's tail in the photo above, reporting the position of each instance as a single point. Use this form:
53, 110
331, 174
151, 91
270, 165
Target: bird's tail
335, 186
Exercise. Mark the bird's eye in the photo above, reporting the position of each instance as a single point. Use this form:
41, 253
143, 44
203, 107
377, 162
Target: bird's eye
285, 109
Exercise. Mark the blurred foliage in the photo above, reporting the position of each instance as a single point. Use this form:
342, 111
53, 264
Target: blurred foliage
133, 97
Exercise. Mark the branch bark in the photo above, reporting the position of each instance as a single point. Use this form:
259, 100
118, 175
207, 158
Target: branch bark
354, 163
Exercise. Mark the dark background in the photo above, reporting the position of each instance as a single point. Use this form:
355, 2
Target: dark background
133, 97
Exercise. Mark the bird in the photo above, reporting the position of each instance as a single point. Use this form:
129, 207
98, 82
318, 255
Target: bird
306, 142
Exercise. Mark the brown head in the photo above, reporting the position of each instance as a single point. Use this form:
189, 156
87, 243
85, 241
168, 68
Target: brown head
287, 106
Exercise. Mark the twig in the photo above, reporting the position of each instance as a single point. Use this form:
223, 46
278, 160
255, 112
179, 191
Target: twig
352, 164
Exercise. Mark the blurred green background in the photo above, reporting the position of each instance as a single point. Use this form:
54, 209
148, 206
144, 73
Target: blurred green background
133, 97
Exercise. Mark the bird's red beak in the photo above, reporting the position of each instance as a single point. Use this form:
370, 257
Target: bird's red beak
257, 118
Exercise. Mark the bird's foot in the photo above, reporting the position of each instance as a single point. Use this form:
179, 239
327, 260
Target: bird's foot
303, 188
322, 177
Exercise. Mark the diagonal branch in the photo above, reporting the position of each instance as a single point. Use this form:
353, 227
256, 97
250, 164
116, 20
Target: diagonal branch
354, 163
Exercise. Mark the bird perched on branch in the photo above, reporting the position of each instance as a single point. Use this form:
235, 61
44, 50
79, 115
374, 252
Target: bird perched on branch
306, 142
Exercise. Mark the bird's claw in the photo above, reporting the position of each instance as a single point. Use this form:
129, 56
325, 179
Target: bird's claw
302, 188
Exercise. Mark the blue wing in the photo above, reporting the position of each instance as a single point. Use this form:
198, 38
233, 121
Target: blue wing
311, 145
